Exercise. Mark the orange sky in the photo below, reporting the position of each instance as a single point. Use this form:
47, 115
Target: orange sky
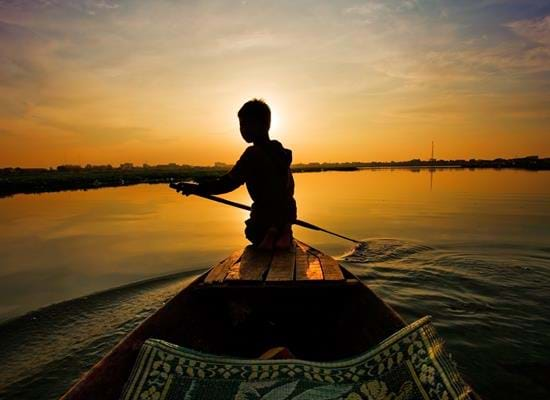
101, 81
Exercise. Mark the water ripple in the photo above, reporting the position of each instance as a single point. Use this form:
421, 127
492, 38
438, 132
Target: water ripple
490, 303
381, 250
59, 354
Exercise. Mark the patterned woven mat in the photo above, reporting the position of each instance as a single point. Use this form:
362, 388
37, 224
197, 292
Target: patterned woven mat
411, 364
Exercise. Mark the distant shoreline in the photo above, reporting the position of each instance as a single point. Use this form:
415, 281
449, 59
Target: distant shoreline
74, 177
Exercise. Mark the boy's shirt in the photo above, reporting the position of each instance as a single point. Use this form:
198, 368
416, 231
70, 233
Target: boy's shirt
265, 169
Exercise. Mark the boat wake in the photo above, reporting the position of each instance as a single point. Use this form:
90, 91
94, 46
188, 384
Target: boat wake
480, 296
382, 250
46, 350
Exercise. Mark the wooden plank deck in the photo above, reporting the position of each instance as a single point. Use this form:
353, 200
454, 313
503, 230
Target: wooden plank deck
300, 263
331, 268
282, 265
312, 267
253, 265
219, 272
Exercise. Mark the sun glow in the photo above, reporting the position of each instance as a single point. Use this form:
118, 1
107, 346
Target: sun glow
343, 84
276, 122
279, 116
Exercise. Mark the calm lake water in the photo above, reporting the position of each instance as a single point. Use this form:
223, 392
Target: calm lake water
78, 270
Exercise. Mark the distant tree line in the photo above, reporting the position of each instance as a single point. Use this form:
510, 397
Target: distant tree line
73, 177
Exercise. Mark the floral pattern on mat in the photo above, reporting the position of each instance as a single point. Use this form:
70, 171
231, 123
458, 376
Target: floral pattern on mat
411, 364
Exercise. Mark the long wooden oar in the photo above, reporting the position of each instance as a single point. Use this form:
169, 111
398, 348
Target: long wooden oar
297, 222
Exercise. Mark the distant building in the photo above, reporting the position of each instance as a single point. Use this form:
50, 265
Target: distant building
432, 159
127, 165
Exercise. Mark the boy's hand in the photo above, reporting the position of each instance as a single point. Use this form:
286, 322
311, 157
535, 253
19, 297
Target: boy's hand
185, 188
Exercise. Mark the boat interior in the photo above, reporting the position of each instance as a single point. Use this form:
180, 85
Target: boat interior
301, 300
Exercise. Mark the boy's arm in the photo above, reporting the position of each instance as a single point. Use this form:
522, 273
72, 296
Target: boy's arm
224, 184
230, 181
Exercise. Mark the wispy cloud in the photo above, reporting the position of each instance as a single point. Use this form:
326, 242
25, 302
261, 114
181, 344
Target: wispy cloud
536, 30
251, 41
98, 133
107, 72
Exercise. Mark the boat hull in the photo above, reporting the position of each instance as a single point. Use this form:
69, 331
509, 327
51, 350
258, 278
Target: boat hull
318, 321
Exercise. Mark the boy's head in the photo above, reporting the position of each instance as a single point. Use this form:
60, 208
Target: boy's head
255, 120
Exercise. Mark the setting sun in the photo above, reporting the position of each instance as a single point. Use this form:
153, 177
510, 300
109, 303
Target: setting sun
103, 82
274, 199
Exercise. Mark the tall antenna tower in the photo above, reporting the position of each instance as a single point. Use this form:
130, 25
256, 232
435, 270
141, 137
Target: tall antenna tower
432, 159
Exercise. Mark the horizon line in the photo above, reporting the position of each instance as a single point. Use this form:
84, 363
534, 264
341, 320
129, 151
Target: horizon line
223, 164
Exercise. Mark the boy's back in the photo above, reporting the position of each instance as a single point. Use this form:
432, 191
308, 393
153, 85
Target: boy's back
265, 169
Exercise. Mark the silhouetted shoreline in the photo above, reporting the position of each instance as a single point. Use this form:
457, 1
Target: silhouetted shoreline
74, 177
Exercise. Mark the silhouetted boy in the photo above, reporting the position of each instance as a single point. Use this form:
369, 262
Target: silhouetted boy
265, 169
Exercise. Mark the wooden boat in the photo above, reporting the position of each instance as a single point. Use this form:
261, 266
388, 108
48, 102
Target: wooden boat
251, 302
